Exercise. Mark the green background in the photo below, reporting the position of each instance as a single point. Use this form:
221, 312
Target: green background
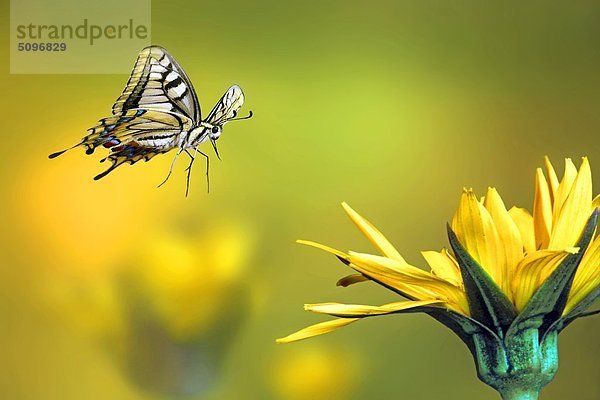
392, 106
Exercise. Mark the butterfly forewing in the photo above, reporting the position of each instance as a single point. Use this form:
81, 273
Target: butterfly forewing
227, 107
158, 82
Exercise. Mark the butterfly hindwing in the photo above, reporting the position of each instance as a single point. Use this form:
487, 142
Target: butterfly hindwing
158, 82
137, 134
136, 124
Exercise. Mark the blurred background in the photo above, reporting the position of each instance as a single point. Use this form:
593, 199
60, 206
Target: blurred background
119, 290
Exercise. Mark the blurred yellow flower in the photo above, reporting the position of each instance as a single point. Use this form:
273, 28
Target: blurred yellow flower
188, 281
516, 249
314, 373
169, 309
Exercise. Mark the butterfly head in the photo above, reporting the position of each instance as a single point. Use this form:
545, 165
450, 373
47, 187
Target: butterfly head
215, 132
225, 110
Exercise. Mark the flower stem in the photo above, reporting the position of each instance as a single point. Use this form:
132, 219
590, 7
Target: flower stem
519, 394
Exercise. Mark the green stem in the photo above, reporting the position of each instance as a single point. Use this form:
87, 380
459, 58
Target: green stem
519, 394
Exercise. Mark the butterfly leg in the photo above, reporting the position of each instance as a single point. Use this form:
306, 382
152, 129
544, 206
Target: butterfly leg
189, 169
171, 169
214, 144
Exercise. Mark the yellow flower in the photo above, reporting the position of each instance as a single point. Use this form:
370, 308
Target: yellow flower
516, 251
315, 372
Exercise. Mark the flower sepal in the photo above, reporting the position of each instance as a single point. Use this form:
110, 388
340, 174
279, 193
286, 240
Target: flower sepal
580, 310
517, 367
520, 367
487, 303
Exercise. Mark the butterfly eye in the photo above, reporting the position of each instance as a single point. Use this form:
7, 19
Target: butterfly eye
215, 129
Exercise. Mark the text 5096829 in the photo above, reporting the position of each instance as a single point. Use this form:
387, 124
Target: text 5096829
45, 46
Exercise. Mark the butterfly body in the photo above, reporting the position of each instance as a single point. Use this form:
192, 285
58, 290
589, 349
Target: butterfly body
157, 112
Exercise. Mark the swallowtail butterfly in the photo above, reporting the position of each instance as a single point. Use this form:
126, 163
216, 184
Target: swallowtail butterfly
157, 112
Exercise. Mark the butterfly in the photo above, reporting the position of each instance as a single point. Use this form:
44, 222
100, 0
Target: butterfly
157, 112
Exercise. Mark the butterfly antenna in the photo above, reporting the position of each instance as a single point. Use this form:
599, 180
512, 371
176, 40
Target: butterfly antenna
250, 115
171, 169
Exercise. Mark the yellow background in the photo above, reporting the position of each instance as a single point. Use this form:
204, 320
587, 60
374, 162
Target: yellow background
118, 290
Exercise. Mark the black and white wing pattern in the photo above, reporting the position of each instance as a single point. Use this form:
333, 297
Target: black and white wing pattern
227, 107
156, 109
135, 135
157, 82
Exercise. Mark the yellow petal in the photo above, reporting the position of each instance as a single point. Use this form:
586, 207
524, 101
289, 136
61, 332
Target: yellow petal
389, 263
549, 268
351, 280
564, 187
358, 310
374, 236
542, 211
510, 238
443, 265
552, 178
524, 222
575, 212
317, 329
394, 280
413, 281
587, 277
384, 274
475, 229
531, 273
596, 202
323, 247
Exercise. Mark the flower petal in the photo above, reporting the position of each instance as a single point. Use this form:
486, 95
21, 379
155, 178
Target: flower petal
374, 236
357, 310
542, 310
510, 238
391, 277
542, 211
317, 329
564, 187
530, 270
475, 230
328, 249
413, 281
351, 280
587, 277
404, 268
444, 266
573, 215
552, 178
524, 222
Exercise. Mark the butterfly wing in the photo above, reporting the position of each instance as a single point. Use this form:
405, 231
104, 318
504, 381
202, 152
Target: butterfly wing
227, 107
137, 134
157, 82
